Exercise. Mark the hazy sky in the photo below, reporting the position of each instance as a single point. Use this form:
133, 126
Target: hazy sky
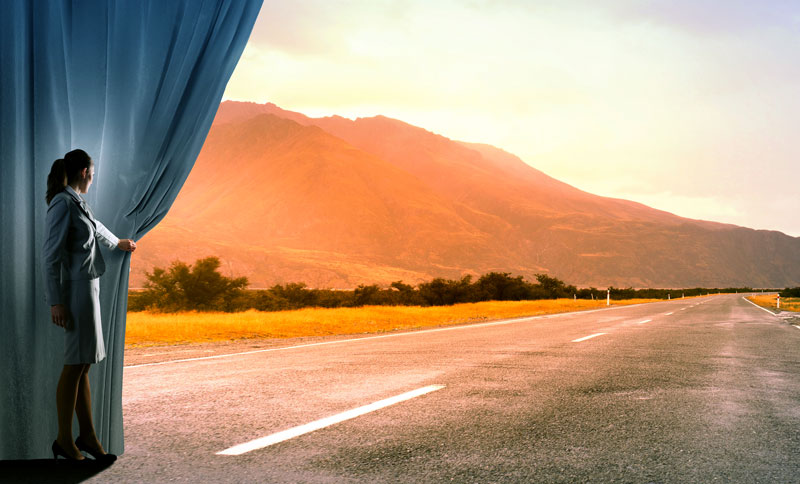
688, 106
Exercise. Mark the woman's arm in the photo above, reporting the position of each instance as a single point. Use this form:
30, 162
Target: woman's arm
111, 241
55, 236
104, 235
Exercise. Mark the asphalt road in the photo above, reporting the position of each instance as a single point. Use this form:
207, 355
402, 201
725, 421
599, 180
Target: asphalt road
707, 390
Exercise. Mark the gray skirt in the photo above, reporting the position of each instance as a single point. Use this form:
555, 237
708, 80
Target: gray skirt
83, 337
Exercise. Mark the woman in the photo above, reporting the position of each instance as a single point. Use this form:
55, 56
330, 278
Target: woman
72, 265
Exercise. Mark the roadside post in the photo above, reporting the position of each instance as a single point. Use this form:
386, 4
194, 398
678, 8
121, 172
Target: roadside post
608, 297
779, 301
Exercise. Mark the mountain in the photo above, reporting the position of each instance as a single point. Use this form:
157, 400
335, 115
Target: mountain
333, 202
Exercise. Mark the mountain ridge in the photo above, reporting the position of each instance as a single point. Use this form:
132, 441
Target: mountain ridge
336, 202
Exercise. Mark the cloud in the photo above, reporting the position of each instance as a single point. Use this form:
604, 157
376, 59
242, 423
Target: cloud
319, 28
704, 18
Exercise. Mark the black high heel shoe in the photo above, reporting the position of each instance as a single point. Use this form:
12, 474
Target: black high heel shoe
100, 458
59, 451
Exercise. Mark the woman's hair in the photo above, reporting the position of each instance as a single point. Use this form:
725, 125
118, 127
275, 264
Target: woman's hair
66, 170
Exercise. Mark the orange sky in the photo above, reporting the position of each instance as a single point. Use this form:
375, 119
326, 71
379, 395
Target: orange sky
685, 106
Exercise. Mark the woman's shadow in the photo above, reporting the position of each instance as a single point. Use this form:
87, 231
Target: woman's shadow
49, 470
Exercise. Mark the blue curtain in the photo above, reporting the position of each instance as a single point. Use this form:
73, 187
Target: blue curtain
135, 83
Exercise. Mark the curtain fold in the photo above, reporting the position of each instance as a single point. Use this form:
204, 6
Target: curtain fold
136, 84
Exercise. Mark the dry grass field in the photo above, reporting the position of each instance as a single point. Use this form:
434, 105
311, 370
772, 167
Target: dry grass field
155, 329
770, 301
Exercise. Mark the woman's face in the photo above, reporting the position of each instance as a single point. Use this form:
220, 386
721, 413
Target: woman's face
86, 181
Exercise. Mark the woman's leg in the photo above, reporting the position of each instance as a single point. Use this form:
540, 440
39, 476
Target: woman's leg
66, 396
83, 409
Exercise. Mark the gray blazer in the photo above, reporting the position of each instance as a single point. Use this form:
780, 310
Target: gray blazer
70, 244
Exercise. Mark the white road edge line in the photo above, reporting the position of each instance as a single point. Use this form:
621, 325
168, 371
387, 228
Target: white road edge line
588, 337
759, 307
645, 321
326, 422
393, 335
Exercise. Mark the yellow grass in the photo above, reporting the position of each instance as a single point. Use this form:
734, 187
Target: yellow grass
150, 329
770, 301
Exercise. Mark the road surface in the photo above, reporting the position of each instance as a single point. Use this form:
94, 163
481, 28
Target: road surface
695, 390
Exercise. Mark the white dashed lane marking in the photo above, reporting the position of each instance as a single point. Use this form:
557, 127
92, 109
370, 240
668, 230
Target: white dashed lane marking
325, 422
587, 337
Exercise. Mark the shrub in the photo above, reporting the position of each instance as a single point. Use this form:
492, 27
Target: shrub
554, 288
791, 292
445, 292
184, 287
500, 286
407, 295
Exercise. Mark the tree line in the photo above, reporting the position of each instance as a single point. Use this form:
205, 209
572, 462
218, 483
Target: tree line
791, 292
201, 287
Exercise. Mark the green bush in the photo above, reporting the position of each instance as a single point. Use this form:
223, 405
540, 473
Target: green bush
791, 292
183, 287
444, 292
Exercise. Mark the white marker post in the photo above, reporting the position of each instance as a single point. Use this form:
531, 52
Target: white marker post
608, 298
779, 301
669, 297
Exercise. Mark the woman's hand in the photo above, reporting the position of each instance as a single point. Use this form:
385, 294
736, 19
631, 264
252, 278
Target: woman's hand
127, 245
59, 314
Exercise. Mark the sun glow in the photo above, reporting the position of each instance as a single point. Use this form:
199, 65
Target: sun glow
588, 92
